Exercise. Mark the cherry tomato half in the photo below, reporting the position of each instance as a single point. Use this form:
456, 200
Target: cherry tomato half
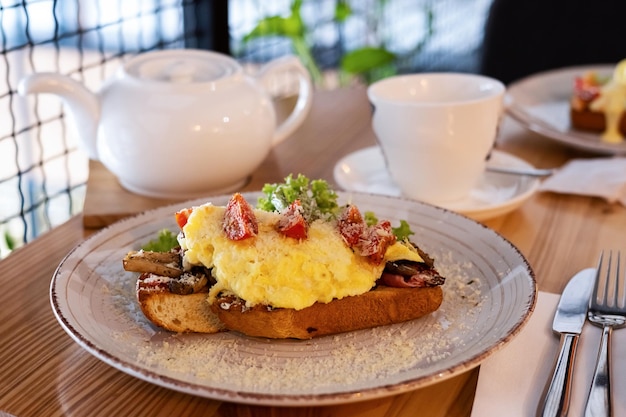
292, 222
239, 219
182, 216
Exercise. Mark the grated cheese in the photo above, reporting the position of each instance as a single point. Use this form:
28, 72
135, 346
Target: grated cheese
232, 361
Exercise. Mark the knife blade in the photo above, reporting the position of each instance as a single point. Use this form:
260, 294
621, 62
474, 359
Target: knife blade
569, 319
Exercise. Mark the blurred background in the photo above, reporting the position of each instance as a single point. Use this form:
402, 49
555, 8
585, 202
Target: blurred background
342, 43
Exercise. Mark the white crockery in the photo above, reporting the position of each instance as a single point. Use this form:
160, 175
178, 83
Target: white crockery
436, 130
495, 194
489, 294
179, 123
541, 103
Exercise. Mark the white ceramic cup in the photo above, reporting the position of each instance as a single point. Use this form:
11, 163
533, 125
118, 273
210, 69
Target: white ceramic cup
436, 130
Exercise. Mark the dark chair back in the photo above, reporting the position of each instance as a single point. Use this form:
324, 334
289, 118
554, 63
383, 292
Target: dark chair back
523, 37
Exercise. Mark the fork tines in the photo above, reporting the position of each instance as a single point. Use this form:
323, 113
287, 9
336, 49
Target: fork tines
611, 293
607, 310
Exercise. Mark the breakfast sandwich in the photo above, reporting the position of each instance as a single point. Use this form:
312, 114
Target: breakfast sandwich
297, 266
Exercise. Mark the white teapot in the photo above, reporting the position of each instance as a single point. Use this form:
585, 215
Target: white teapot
179, 123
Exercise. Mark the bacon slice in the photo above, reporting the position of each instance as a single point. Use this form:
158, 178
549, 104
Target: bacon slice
406, 274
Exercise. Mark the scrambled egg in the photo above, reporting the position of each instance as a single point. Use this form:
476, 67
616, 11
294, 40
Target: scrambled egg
278, 271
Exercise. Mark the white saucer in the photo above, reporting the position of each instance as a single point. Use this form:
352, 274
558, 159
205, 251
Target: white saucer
495, 195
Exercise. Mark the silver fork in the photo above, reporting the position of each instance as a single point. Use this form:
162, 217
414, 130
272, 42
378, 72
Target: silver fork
607, 310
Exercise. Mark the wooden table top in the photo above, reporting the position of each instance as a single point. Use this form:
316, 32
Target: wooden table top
43, 372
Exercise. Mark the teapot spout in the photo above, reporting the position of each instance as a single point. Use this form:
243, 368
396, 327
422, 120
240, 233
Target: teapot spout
82, 104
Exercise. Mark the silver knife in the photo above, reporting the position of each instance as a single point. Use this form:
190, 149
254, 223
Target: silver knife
568, 322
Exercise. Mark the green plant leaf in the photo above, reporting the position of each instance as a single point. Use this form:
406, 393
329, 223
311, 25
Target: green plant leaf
403, 232
9, 241
379, 73
295, 7
291, 26
342, 11
273, 25
366, 59
302, 50
164, 242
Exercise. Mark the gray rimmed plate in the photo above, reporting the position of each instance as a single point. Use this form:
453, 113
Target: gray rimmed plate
489, 294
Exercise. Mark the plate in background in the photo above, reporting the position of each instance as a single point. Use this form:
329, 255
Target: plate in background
540, 102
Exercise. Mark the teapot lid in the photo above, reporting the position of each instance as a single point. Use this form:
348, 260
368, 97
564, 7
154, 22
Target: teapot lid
182, 66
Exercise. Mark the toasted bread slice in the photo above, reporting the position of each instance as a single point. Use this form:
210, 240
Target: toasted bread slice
380, 306
593, 121
188, 313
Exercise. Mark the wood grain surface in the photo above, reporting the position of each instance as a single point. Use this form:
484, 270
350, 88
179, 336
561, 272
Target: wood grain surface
43, 372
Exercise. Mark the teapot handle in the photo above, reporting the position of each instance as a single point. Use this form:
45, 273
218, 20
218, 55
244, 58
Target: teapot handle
81, 102
305, 93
